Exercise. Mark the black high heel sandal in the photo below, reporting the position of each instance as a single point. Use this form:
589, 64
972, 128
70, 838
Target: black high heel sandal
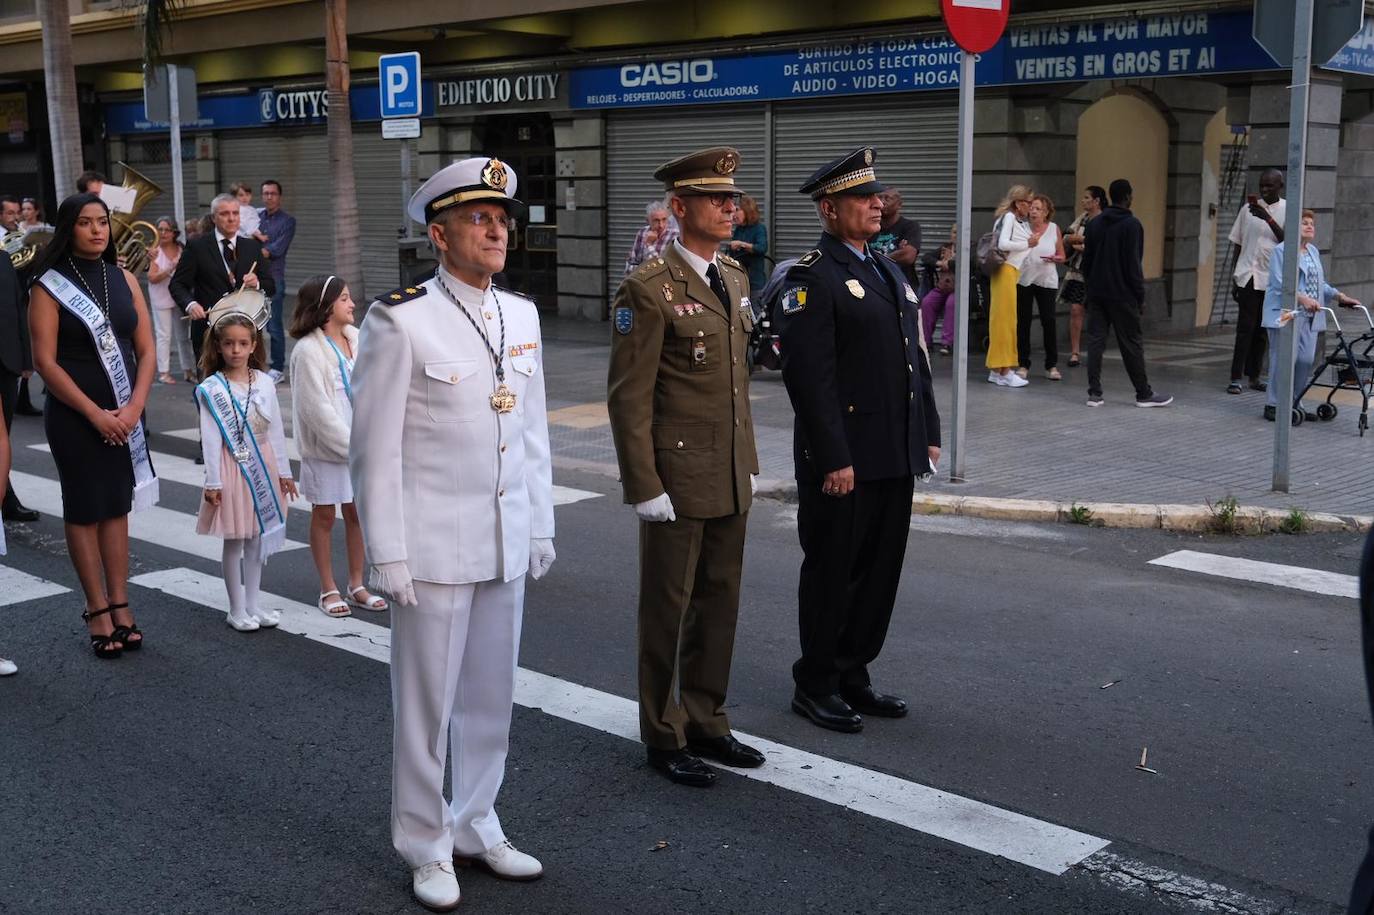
104, 646
123, 633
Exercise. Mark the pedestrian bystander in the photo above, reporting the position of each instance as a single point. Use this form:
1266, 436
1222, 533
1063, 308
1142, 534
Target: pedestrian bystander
31, 215
248, 214
90, 182
653, 237
276, 229
166, 315
1314, 293
898, 237
1015, 240
1073, 291
1037, 288
749, 243
1257, 229
1115, 277
939, 303
322, 416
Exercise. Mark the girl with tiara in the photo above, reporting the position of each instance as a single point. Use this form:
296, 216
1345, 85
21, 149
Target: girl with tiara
322, 418
247, 473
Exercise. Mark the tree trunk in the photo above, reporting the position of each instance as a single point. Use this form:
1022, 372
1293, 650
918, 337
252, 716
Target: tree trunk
347, 253
59, 77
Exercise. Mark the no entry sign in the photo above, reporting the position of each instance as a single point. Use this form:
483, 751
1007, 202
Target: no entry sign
975, 25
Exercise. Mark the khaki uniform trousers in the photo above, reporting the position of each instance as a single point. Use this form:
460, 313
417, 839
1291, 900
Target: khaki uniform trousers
453, 662
689, 580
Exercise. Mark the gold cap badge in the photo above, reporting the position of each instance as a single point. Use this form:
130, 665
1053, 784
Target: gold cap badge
494, 175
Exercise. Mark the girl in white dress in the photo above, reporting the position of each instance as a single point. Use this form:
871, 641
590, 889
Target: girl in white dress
322, 410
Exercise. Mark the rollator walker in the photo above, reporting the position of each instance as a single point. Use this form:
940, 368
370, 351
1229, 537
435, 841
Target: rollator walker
1354, 367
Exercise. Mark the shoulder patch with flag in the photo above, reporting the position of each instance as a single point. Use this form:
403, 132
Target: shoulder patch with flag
794, 300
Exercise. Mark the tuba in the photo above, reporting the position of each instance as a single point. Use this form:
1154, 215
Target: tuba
133, 237
23, 246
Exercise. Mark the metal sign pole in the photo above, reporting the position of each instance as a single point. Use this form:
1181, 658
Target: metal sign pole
174, 141
409, 231
964, 274
1292, 235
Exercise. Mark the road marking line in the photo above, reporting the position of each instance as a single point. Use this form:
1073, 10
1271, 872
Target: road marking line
983, 827
1297, 578
17, 587
193, 435
157, 525
187, 472
1153, 882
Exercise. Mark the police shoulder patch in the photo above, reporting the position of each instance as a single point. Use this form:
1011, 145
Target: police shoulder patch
793, 300
624, 320
403, 294
809, 258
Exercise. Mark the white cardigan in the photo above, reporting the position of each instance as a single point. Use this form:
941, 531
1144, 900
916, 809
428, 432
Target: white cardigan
320, 429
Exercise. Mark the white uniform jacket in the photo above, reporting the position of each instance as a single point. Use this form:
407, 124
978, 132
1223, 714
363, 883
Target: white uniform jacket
441, 480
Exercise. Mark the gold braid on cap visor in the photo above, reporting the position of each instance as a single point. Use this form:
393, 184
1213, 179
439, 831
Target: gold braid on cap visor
443, 203
689, 182
845, 182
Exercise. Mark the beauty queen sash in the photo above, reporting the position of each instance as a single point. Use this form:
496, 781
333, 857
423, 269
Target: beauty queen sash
343, 367
229, 415
72, 298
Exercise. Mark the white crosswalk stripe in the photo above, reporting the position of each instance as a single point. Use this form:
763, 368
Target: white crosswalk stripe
983, 827
1298, 578
16, 587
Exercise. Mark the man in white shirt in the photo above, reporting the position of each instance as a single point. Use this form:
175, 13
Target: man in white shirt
1258, 228
452, 478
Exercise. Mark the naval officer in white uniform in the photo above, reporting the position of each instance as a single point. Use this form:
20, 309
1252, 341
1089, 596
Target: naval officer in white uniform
451, 474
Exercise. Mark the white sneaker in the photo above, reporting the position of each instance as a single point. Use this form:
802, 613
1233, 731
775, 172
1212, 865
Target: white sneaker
276, 375
267, 619
994, 378
436, 886
1013, 380
8, 667
504, 860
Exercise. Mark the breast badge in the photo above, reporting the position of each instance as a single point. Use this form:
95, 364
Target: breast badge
699, 352
855, 288
910, 293
668, 292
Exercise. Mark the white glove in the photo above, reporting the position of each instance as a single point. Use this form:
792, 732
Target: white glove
393, 579
541, 557
753, 484
656, 509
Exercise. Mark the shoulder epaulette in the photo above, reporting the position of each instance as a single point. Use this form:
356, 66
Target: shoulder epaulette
404, 294
515, 292
809, 258
651, 265
731, 261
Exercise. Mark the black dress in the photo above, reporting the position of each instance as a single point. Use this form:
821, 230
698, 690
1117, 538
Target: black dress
97, 480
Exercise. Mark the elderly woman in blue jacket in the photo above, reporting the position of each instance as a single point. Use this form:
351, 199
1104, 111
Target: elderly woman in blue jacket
1309, 319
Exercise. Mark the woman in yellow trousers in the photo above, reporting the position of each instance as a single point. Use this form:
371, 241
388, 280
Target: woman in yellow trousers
1014, 239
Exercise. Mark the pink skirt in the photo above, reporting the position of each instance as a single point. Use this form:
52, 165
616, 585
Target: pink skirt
234, 518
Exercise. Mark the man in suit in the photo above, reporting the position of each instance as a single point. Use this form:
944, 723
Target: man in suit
856, 370
216, 263
678, 398
454, 486
16, 362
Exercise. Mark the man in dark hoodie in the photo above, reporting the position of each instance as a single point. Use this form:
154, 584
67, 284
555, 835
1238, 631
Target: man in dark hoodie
1113, 245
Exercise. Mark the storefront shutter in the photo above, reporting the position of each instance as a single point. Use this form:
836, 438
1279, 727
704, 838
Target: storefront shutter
915, 136
381, 211
637, 142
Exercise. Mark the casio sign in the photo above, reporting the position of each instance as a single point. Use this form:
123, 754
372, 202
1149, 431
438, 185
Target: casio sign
667, 73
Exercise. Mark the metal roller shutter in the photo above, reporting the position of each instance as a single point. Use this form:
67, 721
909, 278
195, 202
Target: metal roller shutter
152, 159
300, 161
381, 211
638, 142
916, 137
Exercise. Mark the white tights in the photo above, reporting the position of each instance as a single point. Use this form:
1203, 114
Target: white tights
242, 563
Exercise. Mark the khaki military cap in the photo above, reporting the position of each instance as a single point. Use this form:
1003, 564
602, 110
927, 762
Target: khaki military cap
707, 171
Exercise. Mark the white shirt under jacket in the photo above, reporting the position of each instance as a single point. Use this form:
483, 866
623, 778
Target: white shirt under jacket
441, 480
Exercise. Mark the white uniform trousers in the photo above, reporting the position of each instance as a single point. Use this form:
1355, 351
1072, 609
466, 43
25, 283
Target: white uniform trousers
453, 661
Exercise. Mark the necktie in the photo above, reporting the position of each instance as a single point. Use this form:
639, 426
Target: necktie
229, 258
718, 287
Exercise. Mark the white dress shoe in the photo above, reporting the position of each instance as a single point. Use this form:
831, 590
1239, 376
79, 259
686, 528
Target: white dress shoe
267, 619
8, 667
436, 886
504, 860
247, 624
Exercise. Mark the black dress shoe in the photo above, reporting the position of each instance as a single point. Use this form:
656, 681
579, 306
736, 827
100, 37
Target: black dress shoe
682, 767
869, 702
827, 711
18, 512
1269, 413
727, 750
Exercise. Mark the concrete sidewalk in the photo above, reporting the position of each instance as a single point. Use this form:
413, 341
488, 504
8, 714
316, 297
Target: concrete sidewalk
1042, 442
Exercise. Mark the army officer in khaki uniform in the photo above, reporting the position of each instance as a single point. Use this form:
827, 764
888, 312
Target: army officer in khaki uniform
678, 396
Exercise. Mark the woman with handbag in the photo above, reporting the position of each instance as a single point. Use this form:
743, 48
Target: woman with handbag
1014, 240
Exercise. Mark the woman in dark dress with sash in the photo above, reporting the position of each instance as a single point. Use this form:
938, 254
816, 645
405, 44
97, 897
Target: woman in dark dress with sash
93, 346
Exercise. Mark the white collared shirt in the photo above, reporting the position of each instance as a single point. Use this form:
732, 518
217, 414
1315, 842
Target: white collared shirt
697, 263
1256, 241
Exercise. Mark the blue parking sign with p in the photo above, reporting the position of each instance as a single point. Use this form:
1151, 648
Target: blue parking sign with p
400, 84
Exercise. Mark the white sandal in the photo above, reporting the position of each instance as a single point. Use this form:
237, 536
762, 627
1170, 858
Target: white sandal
335, 608
377, 604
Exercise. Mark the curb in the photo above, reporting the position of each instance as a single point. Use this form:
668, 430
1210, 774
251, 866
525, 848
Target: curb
1142, 516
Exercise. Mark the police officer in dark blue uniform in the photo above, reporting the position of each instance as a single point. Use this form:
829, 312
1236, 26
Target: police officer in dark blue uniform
866, 425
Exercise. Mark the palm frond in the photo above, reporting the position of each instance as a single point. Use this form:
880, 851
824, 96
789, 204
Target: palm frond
157, 17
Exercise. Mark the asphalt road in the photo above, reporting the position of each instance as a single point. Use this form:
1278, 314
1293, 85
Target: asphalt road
225, 772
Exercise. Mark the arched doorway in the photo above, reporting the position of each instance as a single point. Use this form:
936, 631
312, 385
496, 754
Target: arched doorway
1125, 136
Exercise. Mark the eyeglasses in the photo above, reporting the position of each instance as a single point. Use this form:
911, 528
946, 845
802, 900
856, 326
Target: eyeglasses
718, 200
482, 218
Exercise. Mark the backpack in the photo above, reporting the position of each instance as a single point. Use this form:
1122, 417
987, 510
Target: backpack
991, 257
